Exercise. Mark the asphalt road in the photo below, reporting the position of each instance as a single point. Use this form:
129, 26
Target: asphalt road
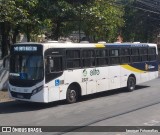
111, 108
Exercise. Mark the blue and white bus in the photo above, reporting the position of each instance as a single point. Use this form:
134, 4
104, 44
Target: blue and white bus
47, 72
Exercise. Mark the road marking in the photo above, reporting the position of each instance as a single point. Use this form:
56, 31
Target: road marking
151, 123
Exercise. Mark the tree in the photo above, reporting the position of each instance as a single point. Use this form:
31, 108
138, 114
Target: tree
99, 19
7, 12
141, 21
16, 15
102, 19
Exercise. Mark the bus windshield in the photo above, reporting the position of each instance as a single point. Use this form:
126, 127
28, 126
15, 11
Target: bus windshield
26, 67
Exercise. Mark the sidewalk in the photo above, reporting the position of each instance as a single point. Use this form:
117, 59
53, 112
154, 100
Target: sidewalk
4, 96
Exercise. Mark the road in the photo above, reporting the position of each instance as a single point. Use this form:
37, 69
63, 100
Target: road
111, 108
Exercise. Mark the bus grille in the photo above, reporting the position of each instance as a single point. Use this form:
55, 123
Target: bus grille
21, 95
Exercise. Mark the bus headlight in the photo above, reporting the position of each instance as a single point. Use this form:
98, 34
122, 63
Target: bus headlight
37, 90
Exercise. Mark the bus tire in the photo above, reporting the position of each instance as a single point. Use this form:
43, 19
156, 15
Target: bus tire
131, 84
72, 95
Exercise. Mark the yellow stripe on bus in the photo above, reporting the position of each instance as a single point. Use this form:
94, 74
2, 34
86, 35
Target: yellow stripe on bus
100, 45
128, 67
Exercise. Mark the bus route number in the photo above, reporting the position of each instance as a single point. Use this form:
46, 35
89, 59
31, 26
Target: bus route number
84, 79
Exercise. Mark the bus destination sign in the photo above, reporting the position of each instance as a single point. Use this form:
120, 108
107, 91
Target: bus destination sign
25, 48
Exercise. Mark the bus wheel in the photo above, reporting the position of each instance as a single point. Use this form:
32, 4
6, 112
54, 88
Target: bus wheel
72, 95
131, 84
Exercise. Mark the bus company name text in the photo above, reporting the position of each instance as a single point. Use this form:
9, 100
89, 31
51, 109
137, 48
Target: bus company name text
94, 72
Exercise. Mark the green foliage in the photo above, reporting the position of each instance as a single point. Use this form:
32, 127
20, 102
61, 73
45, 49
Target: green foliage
140, 25
97, 18
103, 19
17, 11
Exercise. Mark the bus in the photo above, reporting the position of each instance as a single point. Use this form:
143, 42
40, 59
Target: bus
47, 72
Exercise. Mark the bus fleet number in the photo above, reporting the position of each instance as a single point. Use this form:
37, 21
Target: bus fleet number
84, 79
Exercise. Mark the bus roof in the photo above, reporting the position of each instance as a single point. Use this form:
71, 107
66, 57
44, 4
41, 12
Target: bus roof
86, 45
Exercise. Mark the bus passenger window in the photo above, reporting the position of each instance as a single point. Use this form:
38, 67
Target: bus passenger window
73, 63
54, 64
125, 55
73, 54
114, 52
89, 62
114, 60
88, 58
114, 56
125, 59
102, 61
73, 59
144, 54
135, 55
135, 51
152, 57
144, 51
152, 54
152, 51
125, 51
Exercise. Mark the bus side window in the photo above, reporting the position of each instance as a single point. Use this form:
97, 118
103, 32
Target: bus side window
73, 59
152, 54
125, 55
54, 64
101, 59
144, 54
135, 55
88, 58
114, 56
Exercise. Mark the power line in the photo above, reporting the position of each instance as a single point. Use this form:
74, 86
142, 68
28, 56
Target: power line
147, 10
148, 5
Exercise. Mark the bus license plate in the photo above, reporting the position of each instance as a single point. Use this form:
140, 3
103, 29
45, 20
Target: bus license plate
20, 96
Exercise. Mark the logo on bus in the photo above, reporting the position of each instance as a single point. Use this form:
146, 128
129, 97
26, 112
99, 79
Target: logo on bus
94, 72
84, 72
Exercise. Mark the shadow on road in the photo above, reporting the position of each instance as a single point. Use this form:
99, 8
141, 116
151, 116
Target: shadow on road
110, 93
20, 106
